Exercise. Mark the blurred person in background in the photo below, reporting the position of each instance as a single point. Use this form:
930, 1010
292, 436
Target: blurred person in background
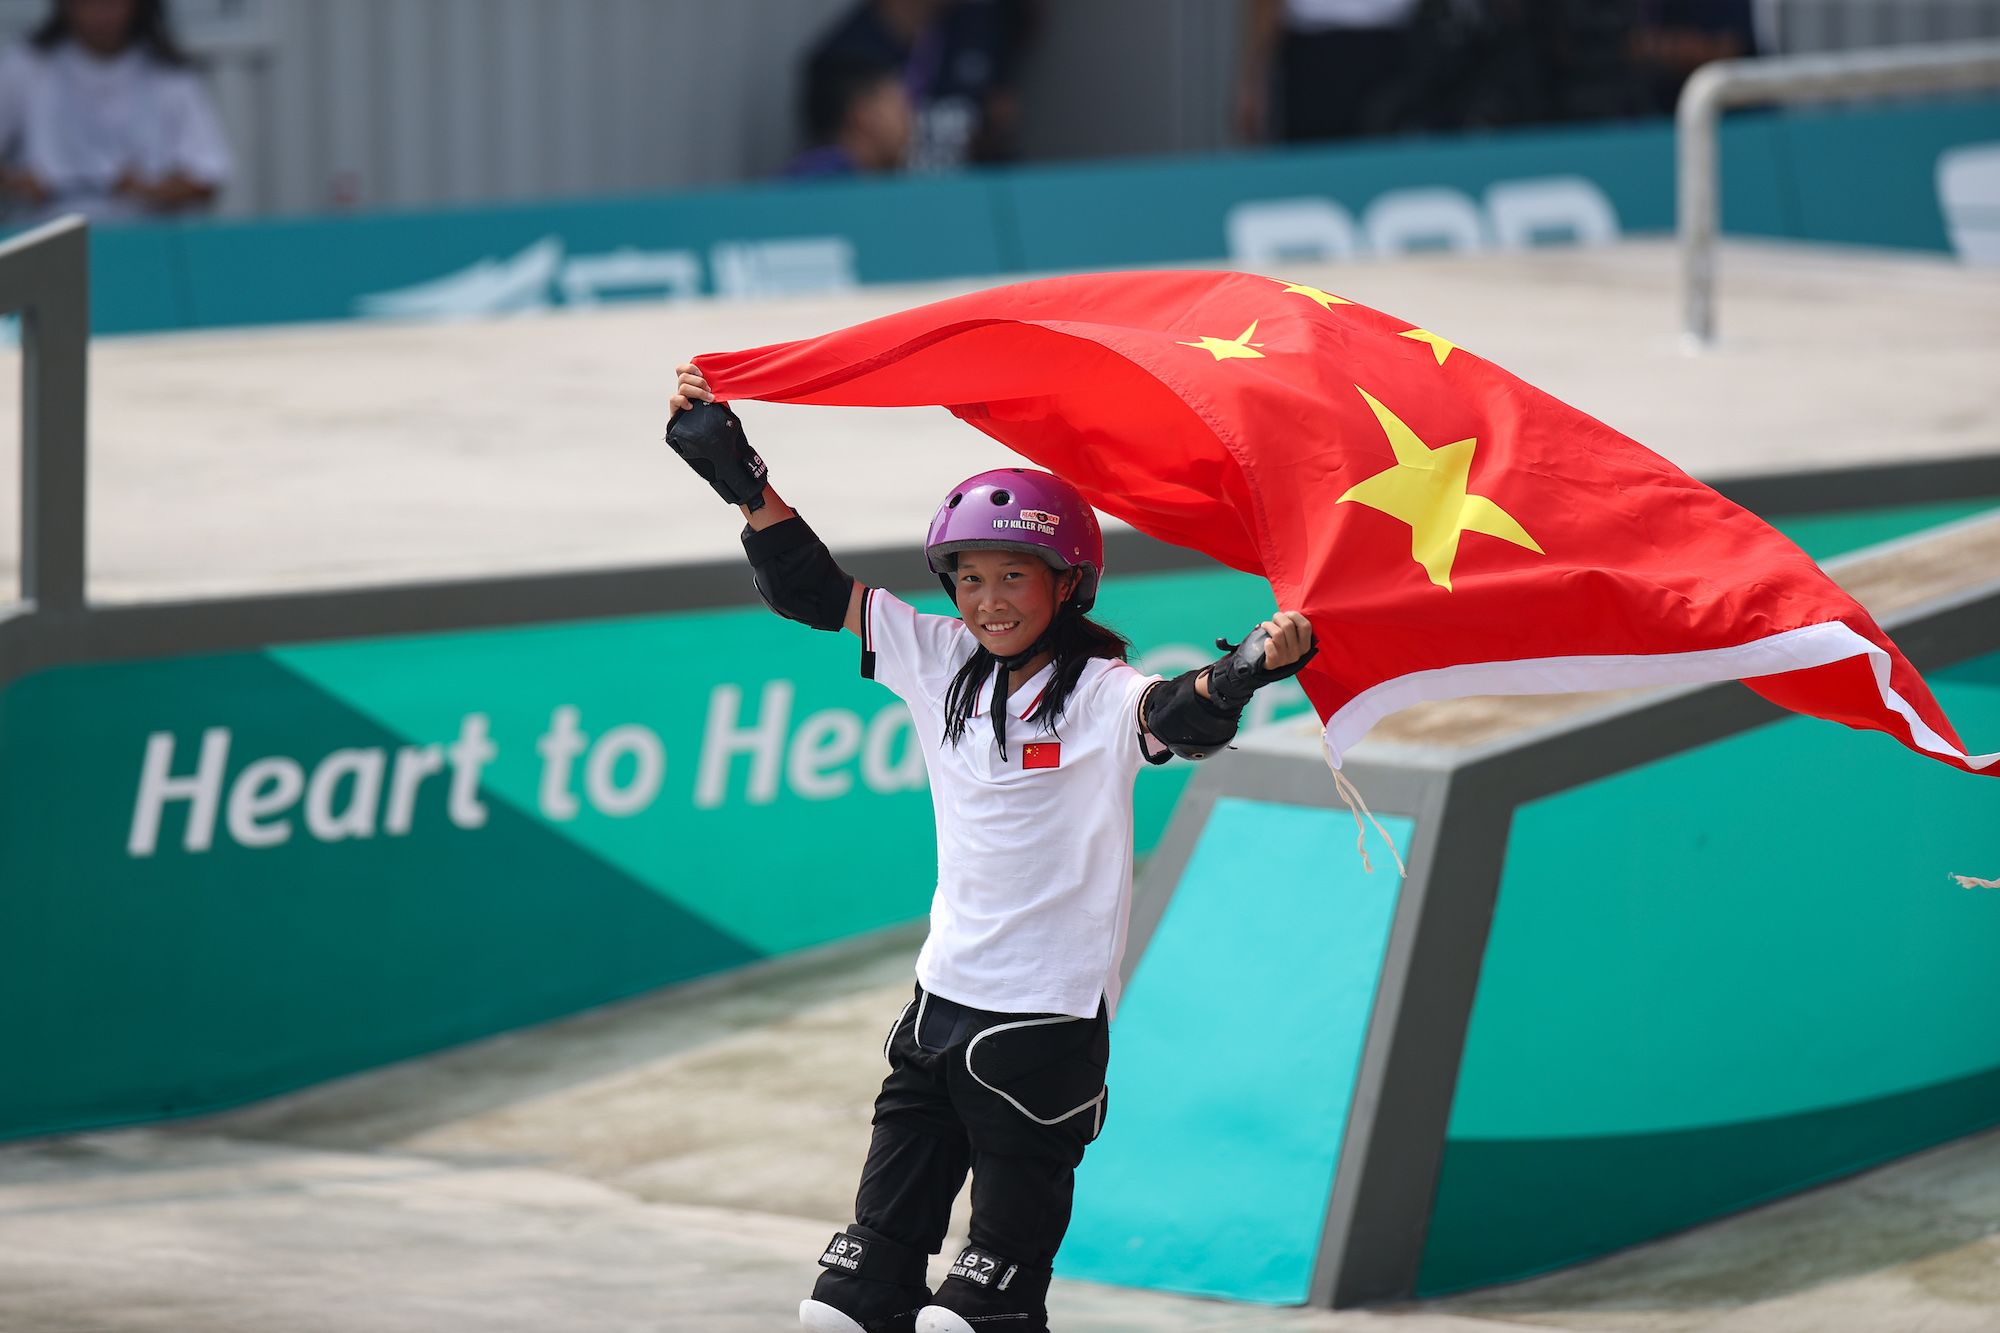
1485, 64
858, 118
1673, 38
101, 114
959, 62
1322, 69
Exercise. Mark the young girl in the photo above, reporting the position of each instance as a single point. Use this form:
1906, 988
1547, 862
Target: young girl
1033, 728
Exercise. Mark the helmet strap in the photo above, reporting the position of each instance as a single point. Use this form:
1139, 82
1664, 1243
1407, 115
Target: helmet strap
1003, 667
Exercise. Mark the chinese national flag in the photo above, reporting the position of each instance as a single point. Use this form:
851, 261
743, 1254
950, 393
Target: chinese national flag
1449, 529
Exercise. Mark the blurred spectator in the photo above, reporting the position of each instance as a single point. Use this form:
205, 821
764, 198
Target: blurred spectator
1588, 61
1675, 37
858, 117
959, 62
1482, 64
100, 114
1322, 69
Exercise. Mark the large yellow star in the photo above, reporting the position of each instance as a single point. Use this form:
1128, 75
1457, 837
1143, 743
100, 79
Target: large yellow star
1327, 300
1225, 349
1441, 347
1426, 489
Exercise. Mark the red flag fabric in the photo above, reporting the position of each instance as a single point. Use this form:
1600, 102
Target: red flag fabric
1449, 529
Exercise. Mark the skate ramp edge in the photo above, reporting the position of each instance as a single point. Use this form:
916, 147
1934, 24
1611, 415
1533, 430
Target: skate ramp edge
1233, 1061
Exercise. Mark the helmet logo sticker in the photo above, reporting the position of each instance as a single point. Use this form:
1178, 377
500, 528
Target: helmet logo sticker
1034, 520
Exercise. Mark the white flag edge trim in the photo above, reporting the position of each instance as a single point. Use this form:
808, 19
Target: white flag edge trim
1791, 650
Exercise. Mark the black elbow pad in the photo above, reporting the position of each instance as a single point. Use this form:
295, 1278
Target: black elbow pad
796, 575
1183, 721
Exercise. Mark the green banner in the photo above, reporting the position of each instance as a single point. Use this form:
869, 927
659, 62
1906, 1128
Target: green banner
231, 875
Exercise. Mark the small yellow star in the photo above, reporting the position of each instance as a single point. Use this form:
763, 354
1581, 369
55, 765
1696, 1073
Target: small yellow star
1443, 347
1225, 349
1326, 300
1427, 490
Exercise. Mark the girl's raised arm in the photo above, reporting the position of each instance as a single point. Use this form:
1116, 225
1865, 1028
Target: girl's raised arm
1197, 713
794, 572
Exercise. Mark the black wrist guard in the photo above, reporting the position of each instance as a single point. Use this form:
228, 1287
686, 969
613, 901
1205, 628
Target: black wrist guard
796, 575
710, 439
1240, 672
1180, 719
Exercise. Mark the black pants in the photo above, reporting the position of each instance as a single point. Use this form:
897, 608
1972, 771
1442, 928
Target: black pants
1014, 1098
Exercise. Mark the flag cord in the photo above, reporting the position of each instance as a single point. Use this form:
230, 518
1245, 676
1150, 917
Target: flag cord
1358, 807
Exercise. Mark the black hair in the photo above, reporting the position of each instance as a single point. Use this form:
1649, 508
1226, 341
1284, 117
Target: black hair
149, 31
1074, 638
834, 83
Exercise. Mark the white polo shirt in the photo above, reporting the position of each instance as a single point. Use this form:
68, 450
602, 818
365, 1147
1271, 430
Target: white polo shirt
1034, 851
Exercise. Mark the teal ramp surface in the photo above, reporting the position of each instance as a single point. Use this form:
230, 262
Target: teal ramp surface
1233, 1061
1717, 979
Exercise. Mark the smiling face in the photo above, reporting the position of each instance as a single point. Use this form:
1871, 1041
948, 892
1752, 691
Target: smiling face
1007, 598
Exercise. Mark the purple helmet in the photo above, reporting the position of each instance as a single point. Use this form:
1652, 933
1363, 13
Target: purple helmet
1019, 509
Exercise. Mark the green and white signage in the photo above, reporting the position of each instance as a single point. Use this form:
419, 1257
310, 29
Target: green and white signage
234, 874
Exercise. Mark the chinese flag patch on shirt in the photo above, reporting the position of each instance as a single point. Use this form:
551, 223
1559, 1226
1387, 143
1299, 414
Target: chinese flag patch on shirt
1042, 754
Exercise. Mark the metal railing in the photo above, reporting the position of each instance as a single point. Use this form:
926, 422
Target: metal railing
1737, 83
44, 274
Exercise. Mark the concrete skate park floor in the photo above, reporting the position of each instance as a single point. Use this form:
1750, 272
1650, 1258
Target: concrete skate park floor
675, 1163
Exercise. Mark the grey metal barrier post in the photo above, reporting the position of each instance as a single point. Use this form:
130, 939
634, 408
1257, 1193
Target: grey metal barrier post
1734, 83
44, 274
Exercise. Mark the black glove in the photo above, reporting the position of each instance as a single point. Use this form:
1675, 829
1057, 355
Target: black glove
710, 439
1241, 672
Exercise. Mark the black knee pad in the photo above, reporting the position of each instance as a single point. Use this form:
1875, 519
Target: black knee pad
870, 1282
866, 1253
988, 1286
